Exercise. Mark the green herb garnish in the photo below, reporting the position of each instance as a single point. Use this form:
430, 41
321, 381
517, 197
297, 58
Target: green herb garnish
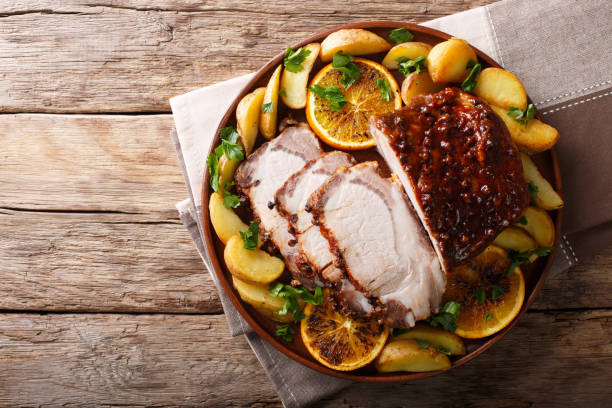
488, 316
291, 296
293, 59
522, 258
396, 332
447, 318
251, 236
331, 93
442, 349
212, 161
469, 83
422, 343
230, 200
285, 332
522, 116
497, 292
350, 71
480, 294
229, 148
407, 66
400, 35
282, 92
385, 89
267, 107
522, 220
533, 193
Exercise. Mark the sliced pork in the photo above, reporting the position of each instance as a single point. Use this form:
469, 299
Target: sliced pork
379, 243
462, 172
265, 171
316, 259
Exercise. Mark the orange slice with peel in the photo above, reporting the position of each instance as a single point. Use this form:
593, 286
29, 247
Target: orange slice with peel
338, 341
490, 298
348, 129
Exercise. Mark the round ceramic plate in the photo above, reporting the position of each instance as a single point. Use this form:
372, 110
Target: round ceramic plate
535, 274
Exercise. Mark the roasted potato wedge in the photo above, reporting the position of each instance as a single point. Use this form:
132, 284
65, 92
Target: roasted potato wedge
500, 88
224, 220
294, 83
436, 337
418, 84
247, 118
536, 137
267, 120
515, 238
227, 168
254, 266
447, 61
547, 198
352, 41
406, 355
410, 50
260, 298
540, 226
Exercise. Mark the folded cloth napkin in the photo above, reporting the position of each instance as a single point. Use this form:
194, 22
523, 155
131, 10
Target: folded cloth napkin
559, 50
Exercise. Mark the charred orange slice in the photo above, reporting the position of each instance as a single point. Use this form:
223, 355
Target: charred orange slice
490, 298
374, 92
338, 341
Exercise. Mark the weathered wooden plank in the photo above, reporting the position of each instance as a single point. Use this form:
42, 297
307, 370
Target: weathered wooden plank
101, 262
132, 55
550, 359
89, 162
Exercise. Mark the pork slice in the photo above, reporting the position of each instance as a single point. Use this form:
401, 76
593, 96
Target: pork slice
463, 174
291, 201
265, 171
377, 239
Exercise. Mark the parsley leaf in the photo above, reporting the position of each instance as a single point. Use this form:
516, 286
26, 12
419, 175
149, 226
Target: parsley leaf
291, 296
442, 349
447, 318
522, 116
384, 88
212, 161
422, 343
230, 200
396, 332
480, 294
469, 83
400, 35
522, 220
251, 236
497, 292
267, 107
533, 193
331, 93
293, 59
350, 71
487, 316
407, 66
522, 258
282, 92
228, 146
285, 332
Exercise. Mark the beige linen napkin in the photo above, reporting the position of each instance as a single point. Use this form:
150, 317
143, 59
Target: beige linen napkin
559, 49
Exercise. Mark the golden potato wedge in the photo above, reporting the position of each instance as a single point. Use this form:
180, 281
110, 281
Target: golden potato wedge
547, 198
447, 61
536, 137
247, 118
406, 355
410, 50
418, 84
254, 266
227, 168
260, 298
540, 226
352, 41
515, 238
500, 88
294, 83
267, 120
224, 220
436, 337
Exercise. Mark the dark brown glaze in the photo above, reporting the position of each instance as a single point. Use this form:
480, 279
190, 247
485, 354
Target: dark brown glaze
465, 172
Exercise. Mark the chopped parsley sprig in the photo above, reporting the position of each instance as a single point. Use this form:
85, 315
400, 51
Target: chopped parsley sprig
285, 332
229, 148
469, 83
250, 237
292, 295
400, 35
385, 89
350, 71
293, 59
522, 116
522, 258
267, 107
331, 93
447, 318
533, 193
407, 66
230, 200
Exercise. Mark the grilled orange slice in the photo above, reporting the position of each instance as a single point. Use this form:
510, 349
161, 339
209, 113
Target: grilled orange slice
338, 341
348, 128
489, 298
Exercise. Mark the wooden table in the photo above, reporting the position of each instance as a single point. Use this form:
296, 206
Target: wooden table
104, 299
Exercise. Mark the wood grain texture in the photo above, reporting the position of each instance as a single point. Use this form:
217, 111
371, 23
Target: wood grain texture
130, 56
92, 360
